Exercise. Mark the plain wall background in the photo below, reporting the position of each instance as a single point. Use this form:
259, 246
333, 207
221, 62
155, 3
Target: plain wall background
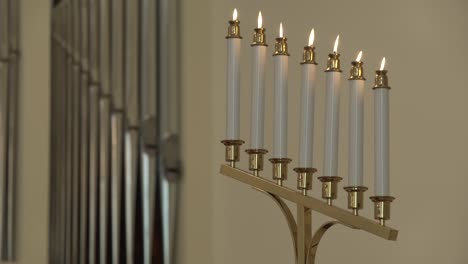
424, 41
32, 223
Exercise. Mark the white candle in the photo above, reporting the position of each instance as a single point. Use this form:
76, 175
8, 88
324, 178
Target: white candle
381, 121
308, 72
233, 79
259, 49
356, 123
333, 85
280, 132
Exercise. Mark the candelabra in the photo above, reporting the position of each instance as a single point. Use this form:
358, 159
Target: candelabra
306, 243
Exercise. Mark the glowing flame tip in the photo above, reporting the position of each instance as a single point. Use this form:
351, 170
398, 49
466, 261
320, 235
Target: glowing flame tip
281, 30
359, 56
311, 37
260, 20
234, 14
335, 48
382, 65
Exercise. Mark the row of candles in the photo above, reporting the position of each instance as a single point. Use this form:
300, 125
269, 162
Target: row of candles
308, 83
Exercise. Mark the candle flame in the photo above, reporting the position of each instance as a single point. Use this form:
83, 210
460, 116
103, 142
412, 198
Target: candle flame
359, 56
335, 48
311, 37
234, 14
260, 20
382, 65
281, 30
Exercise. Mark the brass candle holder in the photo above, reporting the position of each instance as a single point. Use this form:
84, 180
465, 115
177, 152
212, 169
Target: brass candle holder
280, 169
382, 208
355, 198
256, 160
304, 179
330, 188
232, 150
305, 242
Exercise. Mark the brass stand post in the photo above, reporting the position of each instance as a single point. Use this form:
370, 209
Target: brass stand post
232, 150
256, 160
280, 169
355, 198
382, 208
329, 188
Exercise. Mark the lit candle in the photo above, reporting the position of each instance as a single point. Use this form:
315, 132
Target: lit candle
259, 48
381, 121
280, 132
333, 84
356, 123
233, 78
309, 68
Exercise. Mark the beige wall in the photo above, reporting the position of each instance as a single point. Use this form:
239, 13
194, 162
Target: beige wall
424, 42
33, 173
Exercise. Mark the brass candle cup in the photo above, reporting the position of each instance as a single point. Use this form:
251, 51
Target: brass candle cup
256, 160
280, 169
330, 188
333, 63
382, 208
233, 29
355, 198
304, 179
232, 150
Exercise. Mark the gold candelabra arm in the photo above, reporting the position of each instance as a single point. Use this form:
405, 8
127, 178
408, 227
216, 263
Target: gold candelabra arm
343, 216
287, 214
315, 241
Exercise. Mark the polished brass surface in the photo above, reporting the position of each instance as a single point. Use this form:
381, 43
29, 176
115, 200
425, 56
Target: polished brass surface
330, 188
259, 37
281, 47
308, 55
280, 169
381, 80
232, 150
357, 71
345, 217
256, 160
333, 63
233, 29
355, 198
382, 208
304, 179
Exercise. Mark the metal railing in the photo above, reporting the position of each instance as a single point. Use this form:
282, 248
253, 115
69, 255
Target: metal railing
115, 128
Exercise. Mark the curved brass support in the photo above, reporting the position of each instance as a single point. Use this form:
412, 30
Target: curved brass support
289, 217
312, 251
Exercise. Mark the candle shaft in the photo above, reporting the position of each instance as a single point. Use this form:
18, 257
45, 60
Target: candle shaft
381, 121
356, 136
280, 132
333, 84
307, 115
233, 88
258, 97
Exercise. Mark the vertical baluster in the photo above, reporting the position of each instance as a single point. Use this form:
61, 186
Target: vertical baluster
97, 210
132, 103
84, 136
4, 56
117, 121
149, 106
13, 78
